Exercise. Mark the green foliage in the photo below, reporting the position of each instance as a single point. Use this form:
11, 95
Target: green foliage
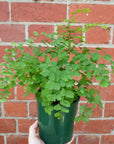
51, 73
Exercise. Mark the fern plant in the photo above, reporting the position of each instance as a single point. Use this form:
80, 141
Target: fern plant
59, 71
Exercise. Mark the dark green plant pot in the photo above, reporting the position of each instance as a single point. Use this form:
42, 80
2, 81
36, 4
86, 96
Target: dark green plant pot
53, 130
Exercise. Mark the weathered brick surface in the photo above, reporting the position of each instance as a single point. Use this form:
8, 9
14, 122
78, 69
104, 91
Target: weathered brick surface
38, 12
9, 33
107, 139
4, 11
15, 109
88, 139
7, 126
17, 139
24, 124
98, 35
98, 14
94, 126
109, 110
39, 29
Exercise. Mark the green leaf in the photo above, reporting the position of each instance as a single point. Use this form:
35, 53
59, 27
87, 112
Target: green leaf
47, 59
89, 75
79, 118
95, 56
69, 94
82, 109
104, 83
97, 100
102, 66
99, 77
36, 33
58, 115
57, 107
85, 119
87, 62
88, 112
76, 73
65, 103
69, 84
65, 110
3, 100
48, 109
3, 64
104, 26
98, 48
74, 12
14, 44
107, 57
26, 94
86, 50
8, 50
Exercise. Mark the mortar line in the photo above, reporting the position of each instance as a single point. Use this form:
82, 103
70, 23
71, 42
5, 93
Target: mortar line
76, 135
5, 139
76, 139
26, 31
68, 4
99, 139
82, 2
9, 11
16, 121
111, 35
15, 92
86, 45
94, 2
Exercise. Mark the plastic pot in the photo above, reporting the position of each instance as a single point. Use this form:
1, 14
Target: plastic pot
53, 130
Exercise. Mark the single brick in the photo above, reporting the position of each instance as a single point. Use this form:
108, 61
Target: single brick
11, 32
109, 110
15, 109
7, 126
94, 126
24, 124
4, 11
39, 29
99, 13
107, 139
38, 12
17, 139
88, 139
98, 35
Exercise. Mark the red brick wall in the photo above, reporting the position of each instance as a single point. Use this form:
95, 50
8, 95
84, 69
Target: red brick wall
18, 18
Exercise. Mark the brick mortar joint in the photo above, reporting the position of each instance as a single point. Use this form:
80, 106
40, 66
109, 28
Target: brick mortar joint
54, 1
